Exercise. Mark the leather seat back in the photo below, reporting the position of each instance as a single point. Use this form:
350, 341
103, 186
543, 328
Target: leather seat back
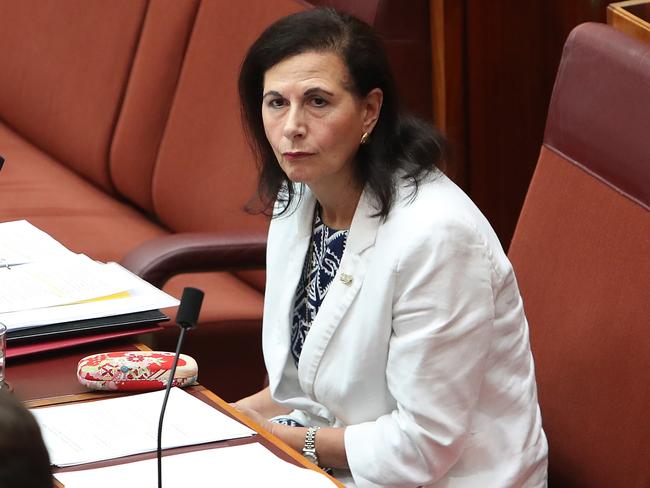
581, 252
63, 92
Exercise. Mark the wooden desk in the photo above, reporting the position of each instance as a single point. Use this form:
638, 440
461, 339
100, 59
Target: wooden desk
50, 379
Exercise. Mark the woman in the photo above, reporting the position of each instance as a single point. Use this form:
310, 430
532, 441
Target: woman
394, 335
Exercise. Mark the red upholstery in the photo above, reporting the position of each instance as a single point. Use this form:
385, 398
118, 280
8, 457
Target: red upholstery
581, 252
38, 187
203, 147
148, 97
65, 65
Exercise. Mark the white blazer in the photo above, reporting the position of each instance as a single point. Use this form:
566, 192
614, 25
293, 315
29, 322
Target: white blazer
423, 356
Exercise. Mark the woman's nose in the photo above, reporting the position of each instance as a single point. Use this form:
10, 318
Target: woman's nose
294, 125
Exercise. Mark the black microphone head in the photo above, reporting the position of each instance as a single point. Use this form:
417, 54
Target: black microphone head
188, 311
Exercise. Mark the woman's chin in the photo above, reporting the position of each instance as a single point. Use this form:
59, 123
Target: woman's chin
298, 177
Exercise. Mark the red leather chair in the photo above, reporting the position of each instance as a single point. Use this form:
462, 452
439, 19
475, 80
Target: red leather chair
581, 252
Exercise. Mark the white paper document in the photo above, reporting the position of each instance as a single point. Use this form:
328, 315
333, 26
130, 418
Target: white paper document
241, 466
79, 433
141, 296
21, 242
58, 282
42, 282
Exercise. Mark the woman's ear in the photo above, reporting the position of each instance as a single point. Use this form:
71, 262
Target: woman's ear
371, 108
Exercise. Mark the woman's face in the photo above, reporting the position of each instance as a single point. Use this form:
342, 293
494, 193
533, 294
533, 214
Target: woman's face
312, 120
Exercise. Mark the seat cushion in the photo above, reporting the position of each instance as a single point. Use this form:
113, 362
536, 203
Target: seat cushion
82, 217
227, 297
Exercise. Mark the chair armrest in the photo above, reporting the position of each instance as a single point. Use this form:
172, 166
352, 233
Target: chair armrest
157, 260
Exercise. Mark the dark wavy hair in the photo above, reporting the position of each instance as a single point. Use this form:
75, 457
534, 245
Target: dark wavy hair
24, 460
400, 145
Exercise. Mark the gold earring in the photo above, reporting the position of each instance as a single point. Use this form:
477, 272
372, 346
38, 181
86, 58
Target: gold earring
365, 138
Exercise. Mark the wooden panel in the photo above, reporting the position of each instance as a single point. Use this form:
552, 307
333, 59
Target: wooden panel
631, 17
513, 50
507, 102
447, 61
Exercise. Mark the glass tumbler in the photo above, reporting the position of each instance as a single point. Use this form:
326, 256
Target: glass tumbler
3, 348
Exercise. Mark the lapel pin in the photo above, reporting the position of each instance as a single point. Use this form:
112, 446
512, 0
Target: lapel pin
346, 279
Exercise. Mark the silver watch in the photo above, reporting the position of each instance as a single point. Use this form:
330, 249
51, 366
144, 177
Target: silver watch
309, 450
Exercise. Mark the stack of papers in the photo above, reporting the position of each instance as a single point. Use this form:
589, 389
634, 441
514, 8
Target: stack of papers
80, 433
21, 242
42, 282
245, 465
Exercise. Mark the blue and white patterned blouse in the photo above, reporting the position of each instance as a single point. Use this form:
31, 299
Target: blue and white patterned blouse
321, 263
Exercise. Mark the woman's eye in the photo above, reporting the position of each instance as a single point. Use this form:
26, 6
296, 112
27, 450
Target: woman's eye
318, 102
276, 103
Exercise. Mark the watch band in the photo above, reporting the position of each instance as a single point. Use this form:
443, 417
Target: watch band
309, 450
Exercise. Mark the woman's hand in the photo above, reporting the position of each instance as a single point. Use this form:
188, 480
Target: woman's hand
254, 415
262, 403
330, 442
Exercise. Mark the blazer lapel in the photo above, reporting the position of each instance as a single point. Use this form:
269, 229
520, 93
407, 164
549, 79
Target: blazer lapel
344, 287
280, 297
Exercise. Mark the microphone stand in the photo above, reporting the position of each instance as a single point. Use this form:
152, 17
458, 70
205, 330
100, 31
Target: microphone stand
164, 404
186, 318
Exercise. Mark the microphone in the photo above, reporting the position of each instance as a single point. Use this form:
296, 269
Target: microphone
188, 311
186, 317
2, 161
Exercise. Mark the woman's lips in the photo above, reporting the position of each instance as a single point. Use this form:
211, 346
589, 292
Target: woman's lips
296, 154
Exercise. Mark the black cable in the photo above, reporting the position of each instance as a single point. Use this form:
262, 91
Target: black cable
164, 405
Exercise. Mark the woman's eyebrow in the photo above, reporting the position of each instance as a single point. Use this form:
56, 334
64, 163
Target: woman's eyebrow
318, 89
308, 92
272, 93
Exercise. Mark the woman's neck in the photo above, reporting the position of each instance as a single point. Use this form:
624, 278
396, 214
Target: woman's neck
337, 209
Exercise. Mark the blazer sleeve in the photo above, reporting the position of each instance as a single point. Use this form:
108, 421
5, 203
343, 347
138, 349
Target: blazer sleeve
443, 311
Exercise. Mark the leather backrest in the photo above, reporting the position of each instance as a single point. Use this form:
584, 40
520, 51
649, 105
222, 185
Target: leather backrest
148, 97
65, 66
205, 172
599, 111
581, 252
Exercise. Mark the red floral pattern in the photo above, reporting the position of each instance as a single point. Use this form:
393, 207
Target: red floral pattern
135, 370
